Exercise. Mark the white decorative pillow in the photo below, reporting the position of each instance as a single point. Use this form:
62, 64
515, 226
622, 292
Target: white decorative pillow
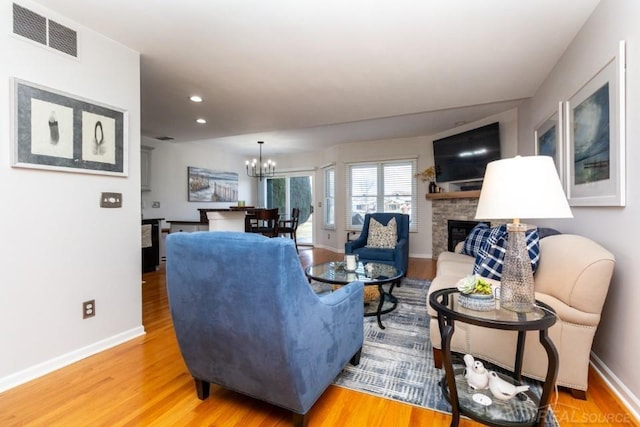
381, 236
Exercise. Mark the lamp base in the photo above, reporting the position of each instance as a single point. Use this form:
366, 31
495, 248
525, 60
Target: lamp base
516, 288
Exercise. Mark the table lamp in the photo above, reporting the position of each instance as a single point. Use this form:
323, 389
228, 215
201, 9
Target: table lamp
520, 187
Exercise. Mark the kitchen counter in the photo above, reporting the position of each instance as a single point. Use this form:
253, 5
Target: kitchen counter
150, 246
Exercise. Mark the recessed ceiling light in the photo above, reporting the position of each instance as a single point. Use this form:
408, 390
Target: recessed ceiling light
196, 98
201, 121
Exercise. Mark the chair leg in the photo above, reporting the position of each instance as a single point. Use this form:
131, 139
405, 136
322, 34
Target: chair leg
299, 420
202, 388
355, 360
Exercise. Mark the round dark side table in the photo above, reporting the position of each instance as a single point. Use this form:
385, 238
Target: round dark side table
526, 409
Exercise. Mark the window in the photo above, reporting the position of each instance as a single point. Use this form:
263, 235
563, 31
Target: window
329, 198
381, 187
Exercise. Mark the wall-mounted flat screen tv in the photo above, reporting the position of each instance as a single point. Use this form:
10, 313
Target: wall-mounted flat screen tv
464, 156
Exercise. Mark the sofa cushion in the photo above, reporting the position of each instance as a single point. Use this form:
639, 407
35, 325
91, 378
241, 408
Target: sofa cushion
489, 260
381, 236
475, 239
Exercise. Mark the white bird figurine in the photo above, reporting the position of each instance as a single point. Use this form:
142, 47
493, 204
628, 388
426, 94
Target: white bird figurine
502, 389
476, 375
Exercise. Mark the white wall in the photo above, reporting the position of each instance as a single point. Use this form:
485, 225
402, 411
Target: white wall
59, 248
169, 178
616, 347
170, 162
417, 147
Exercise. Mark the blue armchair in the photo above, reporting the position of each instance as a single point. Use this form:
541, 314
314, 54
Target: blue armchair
247, 319
398, 256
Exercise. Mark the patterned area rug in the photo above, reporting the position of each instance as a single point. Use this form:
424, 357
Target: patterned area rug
397, 362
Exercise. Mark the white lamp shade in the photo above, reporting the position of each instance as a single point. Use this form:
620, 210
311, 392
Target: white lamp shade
522, 187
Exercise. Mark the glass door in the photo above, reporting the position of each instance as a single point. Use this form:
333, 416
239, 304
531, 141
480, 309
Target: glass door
293, 191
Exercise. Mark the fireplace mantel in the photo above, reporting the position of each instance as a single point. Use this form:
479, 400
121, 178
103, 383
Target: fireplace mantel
473, 194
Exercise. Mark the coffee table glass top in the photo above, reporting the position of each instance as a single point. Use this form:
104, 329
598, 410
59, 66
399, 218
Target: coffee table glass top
371, 273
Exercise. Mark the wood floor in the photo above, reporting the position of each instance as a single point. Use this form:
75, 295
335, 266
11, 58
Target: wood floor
144, 382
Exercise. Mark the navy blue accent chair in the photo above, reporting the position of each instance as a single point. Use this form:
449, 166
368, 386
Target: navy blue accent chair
247, 319
398, 256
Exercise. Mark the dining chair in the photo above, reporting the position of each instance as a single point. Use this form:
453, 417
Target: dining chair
290, 226
265, 222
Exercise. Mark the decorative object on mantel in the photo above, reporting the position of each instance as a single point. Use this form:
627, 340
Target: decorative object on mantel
428, 175
475, 293
520, 187
260, 170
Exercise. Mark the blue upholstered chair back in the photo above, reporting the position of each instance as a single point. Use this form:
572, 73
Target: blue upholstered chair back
247, 319
398, 256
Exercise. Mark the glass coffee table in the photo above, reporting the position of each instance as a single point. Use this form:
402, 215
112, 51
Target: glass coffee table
371, 274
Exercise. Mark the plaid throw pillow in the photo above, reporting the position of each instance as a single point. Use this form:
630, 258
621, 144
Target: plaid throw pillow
475, 239
490, 257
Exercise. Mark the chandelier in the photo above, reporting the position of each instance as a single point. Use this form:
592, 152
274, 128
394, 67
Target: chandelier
257, 169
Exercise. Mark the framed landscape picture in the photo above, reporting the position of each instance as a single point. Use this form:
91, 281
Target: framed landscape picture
596, 138
205, 185
549, 140
58, 131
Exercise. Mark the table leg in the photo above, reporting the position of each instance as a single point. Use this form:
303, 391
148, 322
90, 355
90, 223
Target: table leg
519, 354
383, 296
550, 379
450, 374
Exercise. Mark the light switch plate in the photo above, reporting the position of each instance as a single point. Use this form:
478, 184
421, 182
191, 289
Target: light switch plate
111, 200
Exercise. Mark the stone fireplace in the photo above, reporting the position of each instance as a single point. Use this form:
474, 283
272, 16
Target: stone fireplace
458, 230
454, 206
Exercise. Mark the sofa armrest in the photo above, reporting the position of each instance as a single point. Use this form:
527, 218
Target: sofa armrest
401, 252
576, 270
569, 314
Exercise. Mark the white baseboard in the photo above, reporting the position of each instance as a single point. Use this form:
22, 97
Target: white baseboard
426, 256
329, 248
61, 361
628, 399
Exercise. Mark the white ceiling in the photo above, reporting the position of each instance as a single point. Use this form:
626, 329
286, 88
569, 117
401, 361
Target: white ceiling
302, 74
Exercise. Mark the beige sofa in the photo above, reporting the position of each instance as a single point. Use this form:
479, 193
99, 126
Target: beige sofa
573, 277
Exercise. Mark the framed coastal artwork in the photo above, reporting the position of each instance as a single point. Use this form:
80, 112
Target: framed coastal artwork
206, 185
59, 131
595, 117
549, 140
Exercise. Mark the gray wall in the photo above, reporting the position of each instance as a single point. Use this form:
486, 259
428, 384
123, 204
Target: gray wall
616, 348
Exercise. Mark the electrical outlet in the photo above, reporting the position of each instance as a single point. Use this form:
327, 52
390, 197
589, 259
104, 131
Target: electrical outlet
88, 309
155, 205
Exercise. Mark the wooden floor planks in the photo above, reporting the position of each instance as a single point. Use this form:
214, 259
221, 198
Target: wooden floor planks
144, 382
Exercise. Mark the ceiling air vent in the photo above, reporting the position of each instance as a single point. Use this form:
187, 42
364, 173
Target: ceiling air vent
164, 138
63, 39
29, 24
33, 26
